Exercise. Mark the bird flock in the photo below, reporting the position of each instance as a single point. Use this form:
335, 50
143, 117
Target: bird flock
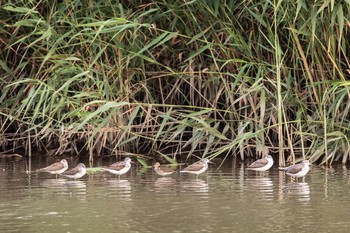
121, 167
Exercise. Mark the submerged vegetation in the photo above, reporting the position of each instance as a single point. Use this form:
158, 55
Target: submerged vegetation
175, 77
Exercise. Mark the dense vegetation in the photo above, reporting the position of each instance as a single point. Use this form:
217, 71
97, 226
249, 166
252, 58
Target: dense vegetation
176, 77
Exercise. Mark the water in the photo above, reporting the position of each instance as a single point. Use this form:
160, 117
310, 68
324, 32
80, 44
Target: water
230, 199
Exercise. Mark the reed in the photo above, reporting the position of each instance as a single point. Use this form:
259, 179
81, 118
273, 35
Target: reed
171, 78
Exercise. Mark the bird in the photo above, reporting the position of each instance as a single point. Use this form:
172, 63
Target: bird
163, 170
119, 168
297, 170
76, 172
262, 164
56, 168
197, 167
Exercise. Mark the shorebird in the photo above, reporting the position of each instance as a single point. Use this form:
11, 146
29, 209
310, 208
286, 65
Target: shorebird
75, 173
119, 168
263, 164
197, 167
163, 170
56, 168
297, 170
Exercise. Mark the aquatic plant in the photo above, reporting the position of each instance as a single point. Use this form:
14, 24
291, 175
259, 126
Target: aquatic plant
174, 77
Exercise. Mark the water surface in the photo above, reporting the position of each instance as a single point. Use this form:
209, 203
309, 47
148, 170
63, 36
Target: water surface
228, 199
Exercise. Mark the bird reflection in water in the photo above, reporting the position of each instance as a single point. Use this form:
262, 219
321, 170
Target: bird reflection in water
196, 185
119, 188
301, 191
164, 183
262, 184
54, 183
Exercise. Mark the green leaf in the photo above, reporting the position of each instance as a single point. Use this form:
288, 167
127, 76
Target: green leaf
20, 9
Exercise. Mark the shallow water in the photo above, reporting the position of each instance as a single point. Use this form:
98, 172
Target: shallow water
229, 199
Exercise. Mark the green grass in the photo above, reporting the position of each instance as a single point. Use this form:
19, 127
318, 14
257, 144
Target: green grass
173, 78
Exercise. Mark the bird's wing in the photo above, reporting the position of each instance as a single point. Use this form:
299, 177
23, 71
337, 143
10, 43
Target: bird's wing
117, 166
294, 168
53, 167
194, 167
72, 171
166, 168
259, 163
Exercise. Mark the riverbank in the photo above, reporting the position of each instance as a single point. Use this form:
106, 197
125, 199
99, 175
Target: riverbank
242, 78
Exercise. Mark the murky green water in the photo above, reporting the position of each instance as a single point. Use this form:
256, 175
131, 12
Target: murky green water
230, 199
